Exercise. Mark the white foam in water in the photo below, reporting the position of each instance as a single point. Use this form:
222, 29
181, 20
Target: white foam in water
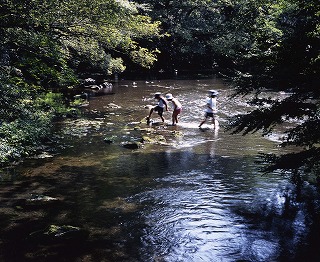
188, 125
195, 143
196, 125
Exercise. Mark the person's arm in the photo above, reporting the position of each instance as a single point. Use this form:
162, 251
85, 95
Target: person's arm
209, 106
165, 103
174, 104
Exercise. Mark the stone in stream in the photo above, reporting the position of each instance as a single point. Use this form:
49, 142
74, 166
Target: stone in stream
59, 233
37, 201
131, 144
109, 139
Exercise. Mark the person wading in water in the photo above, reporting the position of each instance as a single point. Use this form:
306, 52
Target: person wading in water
176, 108
211, 107
160, 107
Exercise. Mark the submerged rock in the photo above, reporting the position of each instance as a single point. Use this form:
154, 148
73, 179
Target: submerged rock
113, 105
155, 139
37, 201
62, 231
147, 139
41, 198
55, 232
110, 139
132, 145
43, 155
177, 133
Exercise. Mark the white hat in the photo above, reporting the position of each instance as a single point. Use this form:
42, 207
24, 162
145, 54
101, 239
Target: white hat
169, 96
213, 92
157, 94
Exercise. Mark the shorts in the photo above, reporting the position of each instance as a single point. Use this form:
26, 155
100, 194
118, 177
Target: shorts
159, 110
177, 111
210, 114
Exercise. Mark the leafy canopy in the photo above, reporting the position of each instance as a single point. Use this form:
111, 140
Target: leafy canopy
283, 55
46, 39
47, 44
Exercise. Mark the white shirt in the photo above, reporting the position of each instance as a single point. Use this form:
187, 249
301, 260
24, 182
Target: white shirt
212, 103
161, 103
176, 104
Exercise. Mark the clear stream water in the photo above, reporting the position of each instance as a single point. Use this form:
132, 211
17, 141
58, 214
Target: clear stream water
200, 196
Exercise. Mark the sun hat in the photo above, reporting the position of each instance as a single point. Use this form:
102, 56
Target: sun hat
213, 92
169, 96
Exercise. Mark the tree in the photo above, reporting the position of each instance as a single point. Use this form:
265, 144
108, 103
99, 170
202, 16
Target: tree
48, 44
64, 35
190, 26
288, 62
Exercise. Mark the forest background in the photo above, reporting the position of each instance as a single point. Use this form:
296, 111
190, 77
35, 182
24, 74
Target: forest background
254, 45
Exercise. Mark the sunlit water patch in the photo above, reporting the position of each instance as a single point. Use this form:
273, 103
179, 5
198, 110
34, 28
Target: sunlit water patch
192, 218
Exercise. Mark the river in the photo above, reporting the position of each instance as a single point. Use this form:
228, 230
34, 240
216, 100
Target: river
193, 195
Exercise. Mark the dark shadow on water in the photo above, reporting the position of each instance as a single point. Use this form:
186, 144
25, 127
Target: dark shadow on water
119, 201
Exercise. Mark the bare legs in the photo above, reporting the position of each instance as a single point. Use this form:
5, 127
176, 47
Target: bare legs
213, 121
175, 118
151, 111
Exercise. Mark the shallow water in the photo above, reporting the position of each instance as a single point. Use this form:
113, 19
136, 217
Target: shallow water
199, 195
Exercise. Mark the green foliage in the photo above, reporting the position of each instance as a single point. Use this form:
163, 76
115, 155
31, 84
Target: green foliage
190, 26
116, 65
54, 103
46, 45
26, 120
26, 117
284, 55
144, 57
21, 137
49, 40
14, 95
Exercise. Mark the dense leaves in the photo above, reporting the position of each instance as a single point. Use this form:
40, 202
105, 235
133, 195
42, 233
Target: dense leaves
290, 63
46, 45
191, 26
57, 35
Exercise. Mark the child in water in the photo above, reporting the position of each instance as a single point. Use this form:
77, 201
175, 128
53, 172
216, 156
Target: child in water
177, 108
160, 107
211, 107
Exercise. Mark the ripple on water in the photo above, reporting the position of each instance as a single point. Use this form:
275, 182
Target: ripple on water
192, 223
